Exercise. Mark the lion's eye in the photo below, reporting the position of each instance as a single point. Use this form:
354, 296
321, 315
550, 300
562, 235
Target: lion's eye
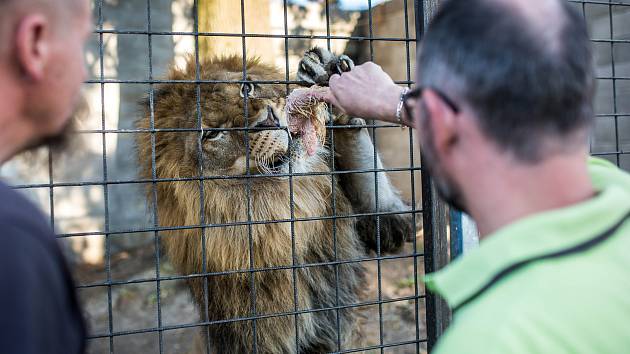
248, 89
213, 134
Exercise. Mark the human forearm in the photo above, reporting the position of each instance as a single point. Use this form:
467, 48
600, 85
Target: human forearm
366, 92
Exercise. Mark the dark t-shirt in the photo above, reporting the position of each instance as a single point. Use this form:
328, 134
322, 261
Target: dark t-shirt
39, 312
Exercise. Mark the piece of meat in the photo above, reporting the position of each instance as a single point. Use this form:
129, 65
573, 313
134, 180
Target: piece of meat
306, 115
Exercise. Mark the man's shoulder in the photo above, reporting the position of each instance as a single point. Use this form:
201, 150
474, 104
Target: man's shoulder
24, 233
604, 173
38, 304
17, 212
12, 201
567, 324
30, 258
550, 308
555, 289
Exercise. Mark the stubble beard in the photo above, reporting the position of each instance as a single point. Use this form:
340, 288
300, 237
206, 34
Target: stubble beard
447, 189
63, 140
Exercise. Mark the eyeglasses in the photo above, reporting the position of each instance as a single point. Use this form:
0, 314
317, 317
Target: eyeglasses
417, 91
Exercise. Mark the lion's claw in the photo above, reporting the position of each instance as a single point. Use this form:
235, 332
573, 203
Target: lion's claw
318, 64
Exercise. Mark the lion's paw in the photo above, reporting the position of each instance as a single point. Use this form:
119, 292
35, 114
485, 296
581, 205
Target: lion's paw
318, 64
351, 122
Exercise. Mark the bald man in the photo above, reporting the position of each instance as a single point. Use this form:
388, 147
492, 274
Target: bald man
41, 71
503, 108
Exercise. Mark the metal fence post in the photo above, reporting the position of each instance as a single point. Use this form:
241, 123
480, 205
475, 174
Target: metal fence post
436, 256
463, 233
435, 218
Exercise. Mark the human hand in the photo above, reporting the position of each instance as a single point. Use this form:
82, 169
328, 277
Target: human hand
366, 92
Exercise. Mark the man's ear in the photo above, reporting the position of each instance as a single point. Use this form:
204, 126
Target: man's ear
32, 43
443, 122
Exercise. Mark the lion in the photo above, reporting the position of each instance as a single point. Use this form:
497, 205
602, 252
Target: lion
269, 237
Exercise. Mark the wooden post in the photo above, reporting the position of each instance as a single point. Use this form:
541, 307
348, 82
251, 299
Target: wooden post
224, 16
435, 218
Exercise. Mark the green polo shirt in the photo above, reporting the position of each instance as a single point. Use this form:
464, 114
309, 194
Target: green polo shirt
555, 282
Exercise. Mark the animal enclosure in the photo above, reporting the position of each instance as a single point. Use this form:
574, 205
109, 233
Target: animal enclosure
135, 299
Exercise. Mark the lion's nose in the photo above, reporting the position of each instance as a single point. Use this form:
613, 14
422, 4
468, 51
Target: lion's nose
272, 120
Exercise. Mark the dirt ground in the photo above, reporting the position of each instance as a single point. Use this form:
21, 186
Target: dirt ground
135, 306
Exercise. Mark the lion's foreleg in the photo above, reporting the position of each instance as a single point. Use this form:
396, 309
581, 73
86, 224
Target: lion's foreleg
370, 192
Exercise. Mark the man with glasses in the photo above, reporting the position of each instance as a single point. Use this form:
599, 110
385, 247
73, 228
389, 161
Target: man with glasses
503, 110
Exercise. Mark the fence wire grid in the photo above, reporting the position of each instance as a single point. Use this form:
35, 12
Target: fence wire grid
157, 333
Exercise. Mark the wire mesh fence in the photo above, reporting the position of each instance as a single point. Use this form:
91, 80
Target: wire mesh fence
136, 299
205, 227
608, 25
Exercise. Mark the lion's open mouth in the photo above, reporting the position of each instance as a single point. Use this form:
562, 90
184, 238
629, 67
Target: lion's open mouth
278, 159
279, 162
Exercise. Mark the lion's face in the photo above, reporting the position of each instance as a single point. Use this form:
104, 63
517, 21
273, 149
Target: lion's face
222, 147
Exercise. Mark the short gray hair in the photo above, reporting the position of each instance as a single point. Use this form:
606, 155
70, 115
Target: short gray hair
523, 89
